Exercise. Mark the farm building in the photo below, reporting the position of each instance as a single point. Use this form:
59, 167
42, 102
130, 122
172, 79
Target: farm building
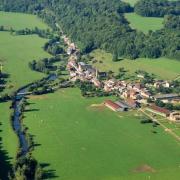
113, 106
158, 110
175, 116
122, 104
167, 96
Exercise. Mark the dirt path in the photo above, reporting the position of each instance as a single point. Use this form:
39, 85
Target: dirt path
162, 125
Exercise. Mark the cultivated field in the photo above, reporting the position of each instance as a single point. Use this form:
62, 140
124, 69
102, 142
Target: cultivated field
20, 21
79, 139
163, 68
8, 140
144, 24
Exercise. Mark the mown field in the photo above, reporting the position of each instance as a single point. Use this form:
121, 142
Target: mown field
78, 140
163, 68
20, 21
144, 24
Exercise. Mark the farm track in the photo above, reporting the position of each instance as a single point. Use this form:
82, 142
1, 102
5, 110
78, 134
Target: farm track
168, 130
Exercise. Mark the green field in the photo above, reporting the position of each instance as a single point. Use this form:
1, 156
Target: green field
16, 52
79, 141
8, 140
20, 21
131, 2
163, 68
144, 24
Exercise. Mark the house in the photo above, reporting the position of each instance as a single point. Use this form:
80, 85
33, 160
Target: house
159, 83
175, 116
101, 74
146, 94
132, 103
113, 106
158, 110
133, 94
84, 67
96, 82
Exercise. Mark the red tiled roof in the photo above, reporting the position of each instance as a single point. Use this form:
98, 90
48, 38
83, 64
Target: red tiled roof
112, 104
160, 109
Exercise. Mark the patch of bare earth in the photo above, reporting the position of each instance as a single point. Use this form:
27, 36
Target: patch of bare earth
99, 107
144, 168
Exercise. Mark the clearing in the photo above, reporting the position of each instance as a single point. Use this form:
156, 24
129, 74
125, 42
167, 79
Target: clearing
144, 24
84, 144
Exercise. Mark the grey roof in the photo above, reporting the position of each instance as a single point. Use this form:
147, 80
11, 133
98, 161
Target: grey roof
164, 96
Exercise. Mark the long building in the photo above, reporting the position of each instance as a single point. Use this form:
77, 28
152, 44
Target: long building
113, 106
158, 110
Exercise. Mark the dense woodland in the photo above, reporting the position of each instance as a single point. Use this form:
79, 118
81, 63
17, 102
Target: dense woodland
101, 24
157, 8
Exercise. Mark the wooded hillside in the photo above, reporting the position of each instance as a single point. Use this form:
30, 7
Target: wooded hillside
101, 24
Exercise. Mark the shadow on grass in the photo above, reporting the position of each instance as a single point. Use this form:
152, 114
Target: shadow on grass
5, 165
48, 173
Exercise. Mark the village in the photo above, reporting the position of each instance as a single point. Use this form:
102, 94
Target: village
131, 95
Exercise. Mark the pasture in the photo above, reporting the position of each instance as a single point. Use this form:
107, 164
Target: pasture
15, 54
163, 68
131, 2
79, 139
20, 21
8, 141
144, 24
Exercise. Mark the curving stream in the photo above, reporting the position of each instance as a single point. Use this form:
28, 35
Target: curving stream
17, 124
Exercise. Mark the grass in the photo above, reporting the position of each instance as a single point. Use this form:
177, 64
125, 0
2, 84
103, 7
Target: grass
81, 142
9, 138
163, 68
15, 53
144, 24
131, 2
20, 21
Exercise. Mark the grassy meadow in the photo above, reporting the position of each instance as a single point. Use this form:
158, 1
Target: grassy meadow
8, 141
144, 24
20, 21
79, 139
131, 2
163, 68
17, 51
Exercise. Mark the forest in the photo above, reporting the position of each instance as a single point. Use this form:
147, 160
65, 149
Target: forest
101, 24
